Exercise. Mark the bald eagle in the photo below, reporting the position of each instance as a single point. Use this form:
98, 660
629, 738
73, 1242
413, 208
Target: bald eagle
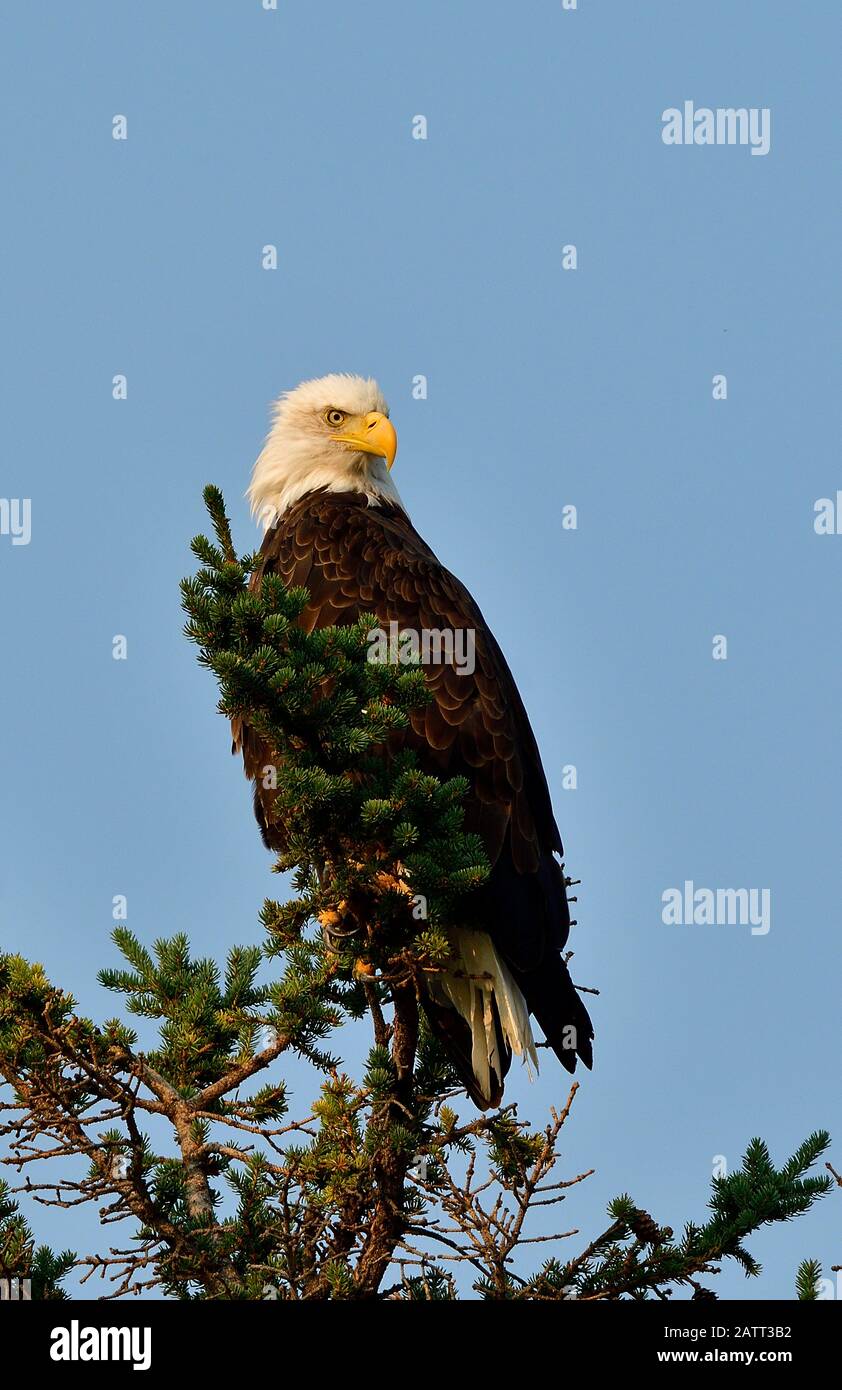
335, 524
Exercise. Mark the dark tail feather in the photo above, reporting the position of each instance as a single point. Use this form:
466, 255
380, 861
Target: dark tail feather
555, 1003
529, 918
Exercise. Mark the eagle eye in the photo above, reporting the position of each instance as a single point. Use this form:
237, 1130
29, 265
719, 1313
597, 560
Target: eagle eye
335, 418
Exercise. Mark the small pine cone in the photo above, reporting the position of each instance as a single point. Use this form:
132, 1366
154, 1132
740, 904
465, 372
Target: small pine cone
704, 1296
645, 1228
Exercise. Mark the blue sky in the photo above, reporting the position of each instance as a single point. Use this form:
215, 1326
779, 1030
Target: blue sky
547, 388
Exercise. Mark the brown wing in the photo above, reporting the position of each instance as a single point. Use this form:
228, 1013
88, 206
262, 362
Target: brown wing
355, 559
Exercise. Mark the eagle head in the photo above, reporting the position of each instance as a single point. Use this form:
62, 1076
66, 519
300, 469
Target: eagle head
332, 434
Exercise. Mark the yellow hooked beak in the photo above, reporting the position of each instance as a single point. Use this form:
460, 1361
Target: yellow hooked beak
371, 434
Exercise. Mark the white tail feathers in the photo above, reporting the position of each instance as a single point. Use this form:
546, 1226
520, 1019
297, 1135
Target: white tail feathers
474, 978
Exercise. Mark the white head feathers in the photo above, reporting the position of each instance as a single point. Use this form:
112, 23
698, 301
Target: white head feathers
301, 453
